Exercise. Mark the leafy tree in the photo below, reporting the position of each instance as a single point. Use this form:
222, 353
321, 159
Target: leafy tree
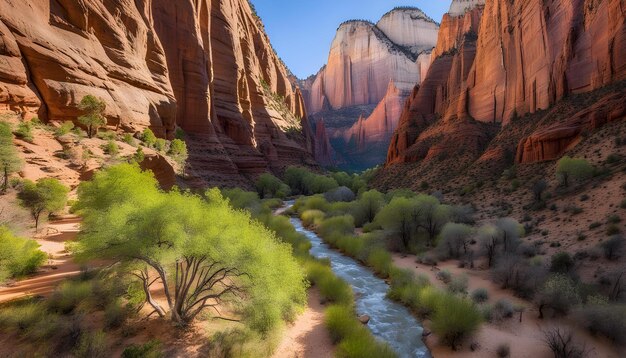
398, 218
269, 186
558, 293
94, 114
538, 188
488, 236
202, 253
561, 262
573, 168
10, 162
47, 194
139, 155
510, 231
18, 256
178, 152
612, 247
455, 239
431, 215
369, 204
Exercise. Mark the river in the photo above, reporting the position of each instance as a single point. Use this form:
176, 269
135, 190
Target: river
389, 321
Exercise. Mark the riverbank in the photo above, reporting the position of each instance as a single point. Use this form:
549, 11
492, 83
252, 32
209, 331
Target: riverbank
525, 339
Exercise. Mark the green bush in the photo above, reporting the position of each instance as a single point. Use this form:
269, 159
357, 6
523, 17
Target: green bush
151, 349
71, 295
160, 145
148, 137
65, 128
458, 285
92, 345
353, 339
312, 217
381, 261
303, 181
455, 319
21, 316
115, 314
24, 131
128, 139
559, 293
111, 148
331, 287
342, 225
107, 135
573, 168
18, 256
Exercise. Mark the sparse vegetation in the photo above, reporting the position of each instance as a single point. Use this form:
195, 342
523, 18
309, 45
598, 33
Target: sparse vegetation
10, 162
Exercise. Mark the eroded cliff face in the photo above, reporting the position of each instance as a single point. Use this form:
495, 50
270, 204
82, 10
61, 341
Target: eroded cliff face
364, 58
522, 58
205, 66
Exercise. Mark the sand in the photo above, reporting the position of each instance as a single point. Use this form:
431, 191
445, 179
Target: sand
307, 336
525, 339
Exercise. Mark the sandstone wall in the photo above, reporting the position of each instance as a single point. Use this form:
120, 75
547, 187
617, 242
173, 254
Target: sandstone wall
204, 65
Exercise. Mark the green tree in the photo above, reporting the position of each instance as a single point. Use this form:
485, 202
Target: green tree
10, 162
94, 114
178, 152
47, 195
269, 186
201, 253
369, 204
18, 256
559, 293
573, 168
398, 218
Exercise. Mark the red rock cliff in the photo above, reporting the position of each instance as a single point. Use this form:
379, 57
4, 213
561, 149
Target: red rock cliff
204, 65
528, 55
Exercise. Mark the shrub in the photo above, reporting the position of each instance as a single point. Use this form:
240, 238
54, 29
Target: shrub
455, 240
573, 168
343, 194
25, 131
18, 256
623, 204
337, 225
332, 288
445, 276
312, 217
458, 285
381, 261
115, 315
69, 296
65, 128
613, 247
160, 144
455, 319
111, 148
363, 345
92, 345
341, 323
480, 295
612, 229
614, 219
562, 263
148, 137
606, 320
128, 139
503, 309
151, 349
594, 225
303, 181
503, 350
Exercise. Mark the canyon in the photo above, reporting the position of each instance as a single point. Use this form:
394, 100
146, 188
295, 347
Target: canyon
371, 70
206, 67
497, 62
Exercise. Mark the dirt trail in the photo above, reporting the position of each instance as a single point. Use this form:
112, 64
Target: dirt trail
308, 336
58, 267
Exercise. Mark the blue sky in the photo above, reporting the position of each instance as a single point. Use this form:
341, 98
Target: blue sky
302, 30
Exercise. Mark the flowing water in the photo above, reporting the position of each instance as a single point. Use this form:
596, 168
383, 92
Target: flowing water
390, 321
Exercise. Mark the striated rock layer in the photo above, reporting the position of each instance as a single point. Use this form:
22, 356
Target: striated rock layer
205, 66
519, 57
364, 58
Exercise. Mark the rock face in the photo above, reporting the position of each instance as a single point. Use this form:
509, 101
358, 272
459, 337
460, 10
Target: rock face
523, 57
205, 66
364, 58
